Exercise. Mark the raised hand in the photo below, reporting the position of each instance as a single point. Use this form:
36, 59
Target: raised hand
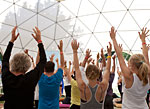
113, 33
60, 46
88, 53
52, 57
89, 60
14, 36
102, 53
56, 60
37, 35
26, 51
74, 45
109, 49
143, 34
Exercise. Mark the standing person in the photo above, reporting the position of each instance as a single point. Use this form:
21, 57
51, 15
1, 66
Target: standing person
135, 75
49, 83
19, 86
92, 95
108, 104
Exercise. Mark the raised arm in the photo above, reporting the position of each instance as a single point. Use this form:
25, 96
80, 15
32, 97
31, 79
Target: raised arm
106, 74
101, 67
97, 63
42, 56
26, 52
125, 71
57, 61
143, 35
6, 57
51, 58
114, 65
75, 47
87, 56
145, 48
103, 58
60, 47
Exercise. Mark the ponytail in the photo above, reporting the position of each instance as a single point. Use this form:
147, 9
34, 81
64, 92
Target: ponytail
92, 72
138, 61
143, 72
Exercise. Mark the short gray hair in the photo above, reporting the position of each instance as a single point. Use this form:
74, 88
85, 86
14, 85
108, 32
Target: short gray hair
20, 63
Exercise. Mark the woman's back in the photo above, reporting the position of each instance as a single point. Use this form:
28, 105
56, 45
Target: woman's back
134, 97
92, 103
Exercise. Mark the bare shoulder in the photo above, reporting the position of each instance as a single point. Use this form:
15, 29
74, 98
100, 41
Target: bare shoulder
103, 86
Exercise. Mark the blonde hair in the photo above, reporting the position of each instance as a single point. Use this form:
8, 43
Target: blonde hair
92, 72
20, 63
138, 61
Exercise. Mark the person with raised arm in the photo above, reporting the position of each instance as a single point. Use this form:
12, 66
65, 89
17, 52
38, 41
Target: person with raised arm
145, 49
61, 84
49, 83
36, 92
108, 104
135, 76
97, 60
67, 87
87, 60
75, 93
102, 65
26, 52
92, 95
18, 84
103, 62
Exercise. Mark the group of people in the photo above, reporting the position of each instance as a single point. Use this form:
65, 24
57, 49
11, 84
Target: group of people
91, 83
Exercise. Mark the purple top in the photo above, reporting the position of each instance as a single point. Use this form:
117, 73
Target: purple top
111, 79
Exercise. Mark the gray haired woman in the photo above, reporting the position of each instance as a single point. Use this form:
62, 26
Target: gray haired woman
18, 84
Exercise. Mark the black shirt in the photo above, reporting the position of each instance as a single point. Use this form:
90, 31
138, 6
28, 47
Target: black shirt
19, 90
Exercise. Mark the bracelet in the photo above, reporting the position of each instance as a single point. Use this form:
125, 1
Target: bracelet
108, 57
61, 53
39, 41
144, 43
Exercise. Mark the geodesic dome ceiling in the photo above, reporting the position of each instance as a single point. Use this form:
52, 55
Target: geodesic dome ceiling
88, 21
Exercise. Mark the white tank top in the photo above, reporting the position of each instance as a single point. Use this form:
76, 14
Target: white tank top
135, 97
66, 81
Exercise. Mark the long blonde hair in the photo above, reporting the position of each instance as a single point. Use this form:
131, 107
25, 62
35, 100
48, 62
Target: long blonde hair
138, 61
